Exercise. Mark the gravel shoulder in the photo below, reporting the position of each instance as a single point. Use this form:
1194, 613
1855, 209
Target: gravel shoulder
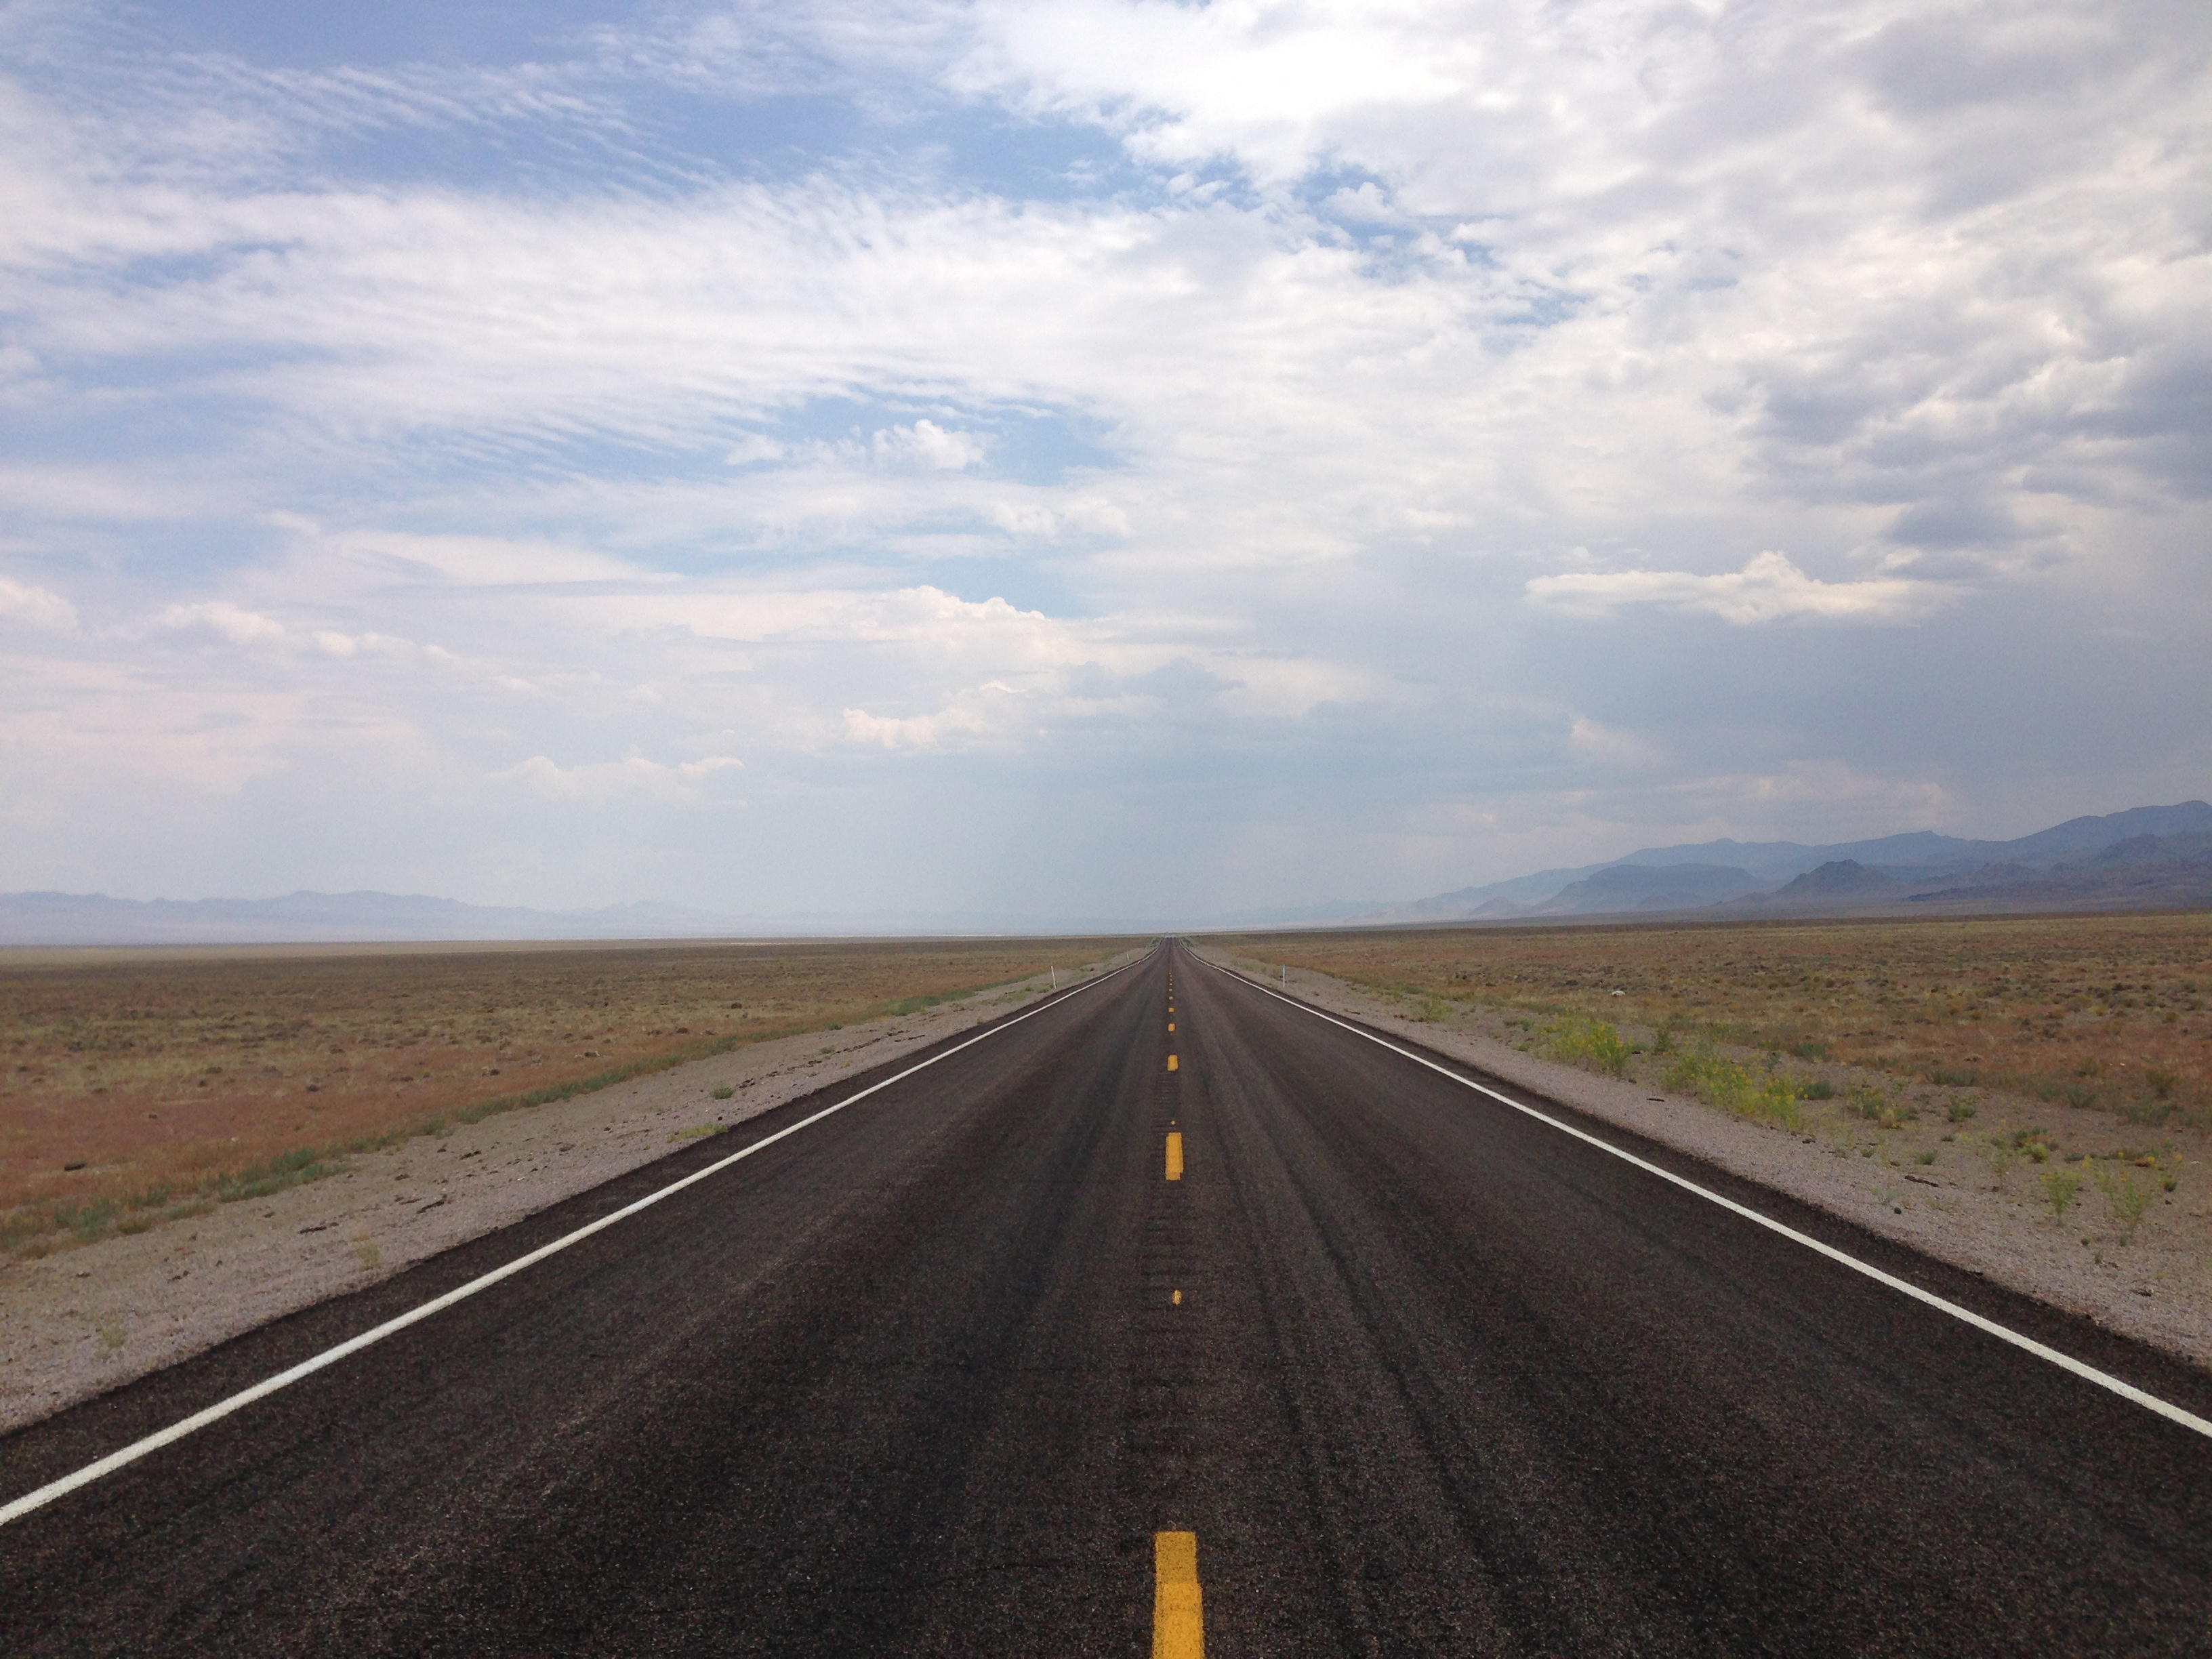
82, 1321
2156, 1288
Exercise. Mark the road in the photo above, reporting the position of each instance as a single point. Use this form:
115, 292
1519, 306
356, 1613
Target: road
932, 1376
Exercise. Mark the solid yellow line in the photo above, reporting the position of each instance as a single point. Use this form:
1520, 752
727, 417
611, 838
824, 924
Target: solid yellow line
1178, 1618
1175, 1157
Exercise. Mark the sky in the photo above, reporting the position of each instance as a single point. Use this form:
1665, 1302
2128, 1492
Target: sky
1099, 458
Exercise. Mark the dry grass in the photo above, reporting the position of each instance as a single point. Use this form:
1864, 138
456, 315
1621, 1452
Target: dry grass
181, 1078
2106, 1012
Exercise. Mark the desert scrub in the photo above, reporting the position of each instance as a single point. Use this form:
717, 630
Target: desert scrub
2061, 1187
1761, 1096
1590, 1043
1878, 1109
287, 1169
2128, 1201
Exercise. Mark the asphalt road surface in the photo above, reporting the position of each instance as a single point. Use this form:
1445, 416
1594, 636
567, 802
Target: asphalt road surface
931, 1376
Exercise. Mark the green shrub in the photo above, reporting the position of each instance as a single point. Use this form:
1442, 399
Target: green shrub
2061, 1187
1761, 1096
1818, 1089
2129, 1202
1878, 1109
287, 1169
1587, 1043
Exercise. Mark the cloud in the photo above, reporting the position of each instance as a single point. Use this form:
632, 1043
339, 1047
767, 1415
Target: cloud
35, 607
1769, 588
754, 447
633, 777
973, 716
234, 622
929, 446
334, 644
483, 561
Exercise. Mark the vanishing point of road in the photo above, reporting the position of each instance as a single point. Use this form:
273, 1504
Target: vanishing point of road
1170, 1314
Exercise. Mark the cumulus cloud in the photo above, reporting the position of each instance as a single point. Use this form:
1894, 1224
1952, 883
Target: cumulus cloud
971, 717
755, 448
632, 778
929, 446
234, 622
1769, 588
35, 607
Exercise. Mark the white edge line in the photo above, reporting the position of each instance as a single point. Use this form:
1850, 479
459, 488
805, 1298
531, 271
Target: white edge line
2088, 1373
223, 1408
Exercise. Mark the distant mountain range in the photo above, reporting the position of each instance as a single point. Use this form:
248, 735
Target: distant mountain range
2147, 856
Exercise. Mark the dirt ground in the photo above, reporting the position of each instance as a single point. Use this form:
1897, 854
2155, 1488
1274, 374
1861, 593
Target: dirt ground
76, 1322
1974, 1189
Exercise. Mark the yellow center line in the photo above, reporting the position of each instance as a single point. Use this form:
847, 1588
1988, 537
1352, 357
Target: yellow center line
1178, 1618
1178, 1299
1171, 1062
1175, 1157
1171, 1026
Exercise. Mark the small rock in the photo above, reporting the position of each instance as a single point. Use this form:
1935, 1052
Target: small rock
79, 1164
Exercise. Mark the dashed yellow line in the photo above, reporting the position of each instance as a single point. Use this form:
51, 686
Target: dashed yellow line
1174, 1156
1171, 1062
1171, 1026
1178, 1617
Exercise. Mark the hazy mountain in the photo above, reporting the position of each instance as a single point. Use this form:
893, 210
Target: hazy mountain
1839, 885
2144, 870
1649, 887
1915, 858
